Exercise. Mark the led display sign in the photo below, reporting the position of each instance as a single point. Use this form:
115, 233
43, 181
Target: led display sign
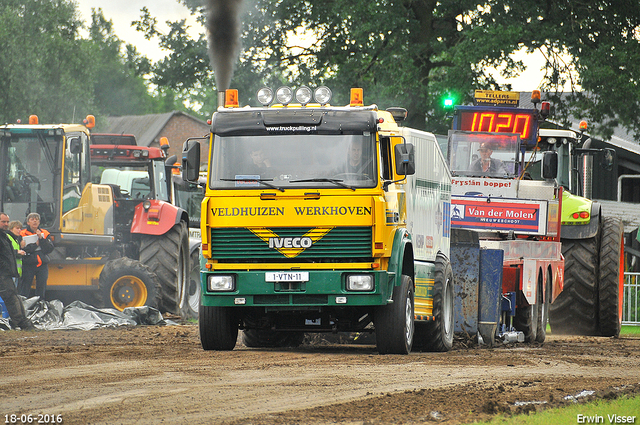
498, 120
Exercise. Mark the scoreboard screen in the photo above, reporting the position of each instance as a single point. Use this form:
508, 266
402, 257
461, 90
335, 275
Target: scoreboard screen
498, 120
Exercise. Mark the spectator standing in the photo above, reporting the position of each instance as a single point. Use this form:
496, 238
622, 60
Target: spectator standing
36, 261
16, 239
9, 270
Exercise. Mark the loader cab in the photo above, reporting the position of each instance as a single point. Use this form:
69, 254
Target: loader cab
43, 169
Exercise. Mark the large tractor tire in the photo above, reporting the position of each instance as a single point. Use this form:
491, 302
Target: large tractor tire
218, 328
611, 282
574, 311
256, 338
168, 256
437, 335
394, 323
128, 283
190, 298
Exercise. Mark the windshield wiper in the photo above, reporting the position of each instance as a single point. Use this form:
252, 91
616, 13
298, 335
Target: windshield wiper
263, 181
319, 180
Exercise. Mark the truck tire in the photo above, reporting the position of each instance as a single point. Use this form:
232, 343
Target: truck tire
394, 323
190, 298
437, 335
611, 282
258, 338
574, 311
526, 319
218, 328
168, 256
127, 283
544, 298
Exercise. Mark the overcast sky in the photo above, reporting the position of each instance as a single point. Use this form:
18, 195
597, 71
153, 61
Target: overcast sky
122, 12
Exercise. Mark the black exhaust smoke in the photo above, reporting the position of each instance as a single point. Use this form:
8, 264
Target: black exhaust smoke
223, 30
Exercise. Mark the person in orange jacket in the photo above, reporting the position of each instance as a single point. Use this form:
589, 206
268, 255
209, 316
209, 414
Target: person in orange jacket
35, 263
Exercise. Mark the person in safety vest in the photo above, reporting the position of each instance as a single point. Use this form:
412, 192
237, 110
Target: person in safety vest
14, 233
9, 270
35, 263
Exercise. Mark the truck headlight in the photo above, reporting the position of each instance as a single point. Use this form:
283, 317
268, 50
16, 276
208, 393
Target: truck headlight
359, 282
221, 283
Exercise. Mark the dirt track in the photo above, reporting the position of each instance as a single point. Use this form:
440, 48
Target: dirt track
161, 375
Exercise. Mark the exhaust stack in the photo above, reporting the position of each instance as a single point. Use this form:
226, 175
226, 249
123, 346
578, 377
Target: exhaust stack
221, 99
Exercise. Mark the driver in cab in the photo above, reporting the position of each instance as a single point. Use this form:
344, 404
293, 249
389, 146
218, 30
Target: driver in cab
485, 165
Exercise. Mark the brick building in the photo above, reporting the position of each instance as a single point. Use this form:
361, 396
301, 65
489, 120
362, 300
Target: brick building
176, 126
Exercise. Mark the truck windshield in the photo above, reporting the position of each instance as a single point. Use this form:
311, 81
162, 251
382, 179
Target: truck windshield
30, 178
477, 154
293, 161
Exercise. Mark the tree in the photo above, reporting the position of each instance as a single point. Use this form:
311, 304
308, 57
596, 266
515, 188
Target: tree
42, 67
414, 53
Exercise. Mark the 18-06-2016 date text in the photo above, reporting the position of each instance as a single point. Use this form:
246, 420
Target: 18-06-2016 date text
40, 418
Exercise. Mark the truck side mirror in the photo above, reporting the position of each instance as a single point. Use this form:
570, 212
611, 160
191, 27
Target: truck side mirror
550, 165
608, 158
191, 161
405, 159
75, 145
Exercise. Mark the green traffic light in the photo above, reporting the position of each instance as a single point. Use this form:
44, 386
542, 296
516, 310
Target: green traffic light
448, 103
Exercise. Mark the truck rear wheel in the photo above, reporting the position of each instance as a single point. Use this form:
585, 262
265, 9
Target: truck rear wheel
258, 338
190, 298
437, 335
218, 328
168, 256
574, 311
394, 323
526, 318
611, 282
544, 298
127, 283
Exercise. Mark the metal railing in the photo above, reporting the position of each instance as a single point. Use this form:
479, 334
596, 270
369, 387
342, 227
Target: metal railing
630, 312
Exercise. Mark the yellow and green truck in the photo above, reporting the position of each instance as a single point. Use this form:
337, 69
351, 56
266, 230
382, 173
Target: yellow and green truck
319, 218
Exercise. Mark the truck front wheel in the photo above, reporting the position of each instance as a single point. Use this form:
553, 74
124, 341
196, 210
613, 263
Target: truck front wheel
218, 328
394, 323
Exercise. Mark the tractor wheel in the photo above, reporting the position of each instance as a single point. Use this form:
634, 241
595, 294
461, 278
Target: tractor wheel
168, 256
574, 311
544, 298
437, 335
190, 298
526, 319
256, 338
611, 282
218, 328
394, 323
128, 283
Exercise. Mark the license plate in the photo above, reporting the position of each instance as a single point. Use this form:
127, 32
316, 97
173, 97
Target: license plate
286, 277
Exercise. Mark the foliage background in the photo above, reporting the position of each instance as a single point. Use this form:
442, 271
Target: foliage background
410, 53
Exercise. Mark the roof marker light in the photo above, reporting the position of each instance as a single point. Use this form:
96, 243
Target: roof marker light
583, 125
231, 98
33, 119
90, 121
356, 97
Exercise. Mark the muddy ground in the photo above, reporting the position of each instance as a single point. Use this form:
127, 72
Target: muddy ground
160, 374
